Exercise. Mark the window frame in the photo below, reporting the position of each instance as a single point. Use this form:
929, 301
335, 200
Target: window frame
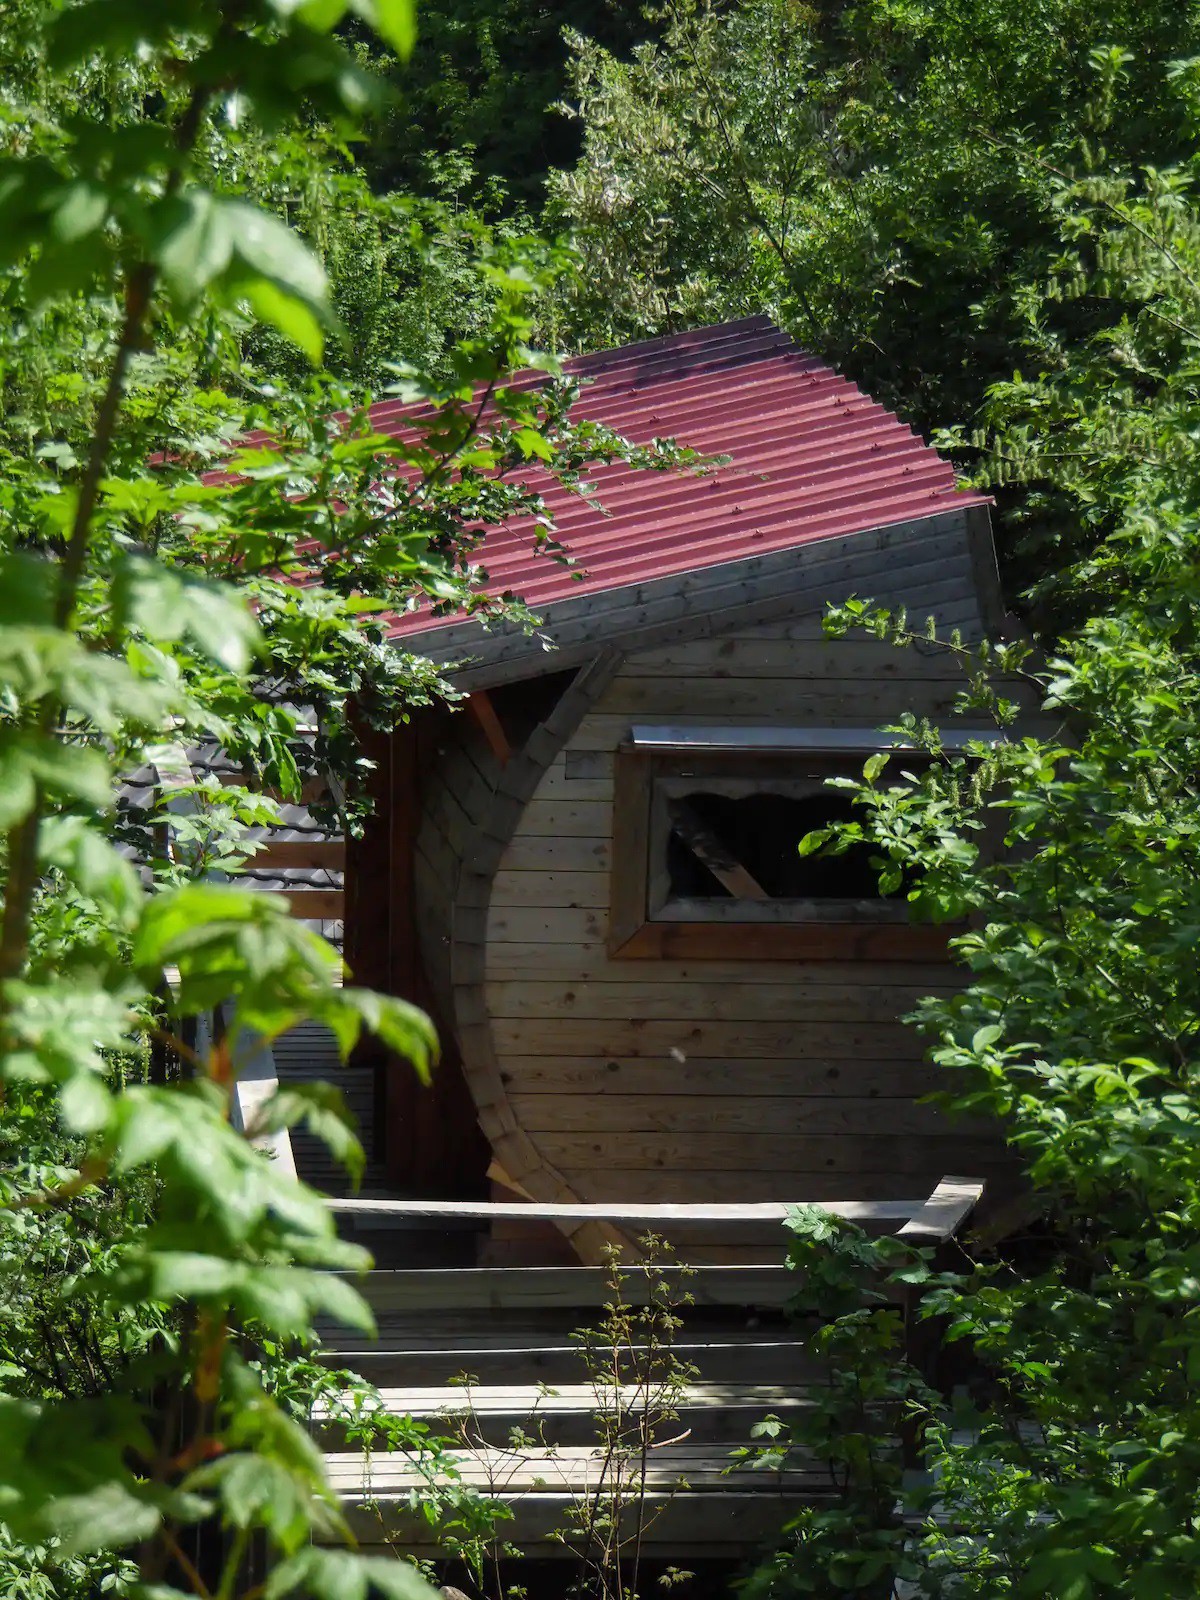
647, 765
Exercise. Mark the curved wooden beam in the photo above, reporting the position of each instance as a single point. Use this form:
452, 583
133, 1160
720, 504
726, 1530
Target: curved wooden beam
514, 1150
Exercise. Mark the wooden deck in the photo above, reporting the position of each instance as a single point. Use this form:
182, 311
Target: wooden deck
488, 1357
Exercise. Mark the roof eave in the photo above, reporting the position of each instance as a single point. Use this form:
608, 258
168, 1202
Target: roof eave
708, 599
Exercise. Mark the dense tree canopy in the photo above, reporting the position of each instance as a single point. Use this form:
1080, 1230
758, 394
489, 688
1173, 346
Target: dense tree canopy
485, 81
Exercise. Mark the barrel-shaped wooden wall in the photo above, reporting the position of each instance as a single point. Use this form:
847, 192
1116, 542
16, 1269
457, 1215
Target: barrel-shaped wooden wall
607, 1078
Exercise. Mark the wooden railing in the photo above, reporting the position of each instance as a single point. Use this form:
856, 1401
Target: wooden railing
935, 1219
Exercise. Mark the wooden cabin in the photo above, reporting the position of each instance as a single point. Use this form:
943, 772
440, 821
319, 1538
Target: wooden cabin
589, 870
655, 1012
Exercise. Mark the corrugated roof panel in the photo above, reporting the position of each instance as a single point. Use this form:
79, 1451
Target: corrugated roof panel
810, 457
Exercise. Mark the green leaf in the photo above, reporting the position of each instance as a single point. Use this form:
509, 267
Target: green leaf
29, 190
404, 1028
289, 315
61, 1028
168, 605
874, 765
88, 860
395, 21
27, 589
80, 210
64, 1473
204, 243
322, 1108
71, 771
117, 28
280, 276
18, 791
321, 15
532, 443
191, 242
345, 1575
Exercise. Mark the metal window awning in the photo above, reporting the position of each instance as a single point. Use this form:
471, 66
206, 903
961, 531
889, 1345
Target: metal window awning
782, 741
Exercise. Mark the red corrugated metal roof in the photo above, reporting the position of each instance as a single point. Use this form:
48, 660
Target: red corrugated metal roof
811, 458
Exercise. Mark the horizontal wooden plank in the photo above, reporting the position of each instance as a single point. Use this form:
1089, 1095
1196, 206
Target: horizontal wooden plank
693, 1036
784, 699
927, 594
622, 1214
519, 1400
528, 852
864, 940
614, 1179
327, 853
581, 765
507, 1358
641, 996
533, 924
689, 1112
311, 904
472, 1332
683, 1525
606, 732
546, 961
757, 655
550, 889
556, 783
781, 1153
682, 1530
572, 1468
569, 1414
683, 942
630, 1078
762, 912
946, 1210
609, 1180
557, 819
441, 1289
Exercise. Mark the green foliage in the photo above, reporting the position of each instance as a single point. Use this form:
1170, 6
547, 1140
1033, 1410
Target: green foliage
194, 550
484, 81
638, 1383
1067, 1466
861, 1426
883, 178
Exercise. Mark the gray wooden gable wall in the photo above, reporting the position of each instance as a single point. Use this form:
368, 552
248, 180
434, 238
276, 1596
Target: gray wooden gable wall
603, 1079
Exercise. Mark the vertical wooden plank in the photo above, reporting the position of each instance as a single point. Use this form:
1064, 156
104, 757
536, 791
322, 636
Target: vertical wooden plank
985, 571
427, 1136
631, 846
367, 938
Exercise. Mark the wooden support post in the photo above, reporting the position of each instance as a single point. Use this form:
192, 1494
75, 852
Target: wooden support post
427, 1136
481, 708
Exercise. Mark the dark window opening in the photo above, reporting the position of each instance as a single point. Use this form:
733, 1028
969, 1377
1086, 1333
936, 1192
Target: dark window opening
722, 847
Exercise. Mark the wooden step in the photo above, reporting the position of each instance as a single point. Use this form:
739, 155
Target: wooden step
488, 1413
693, 1501
515, 1330
509, 1357
570, 1288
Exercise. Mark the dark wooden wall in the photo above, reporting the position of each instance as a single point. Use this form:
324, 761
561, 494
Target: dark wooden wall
427, 1135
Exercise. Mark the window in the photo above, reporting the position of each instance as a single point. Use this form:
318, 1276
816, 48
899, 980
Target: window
705, 861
